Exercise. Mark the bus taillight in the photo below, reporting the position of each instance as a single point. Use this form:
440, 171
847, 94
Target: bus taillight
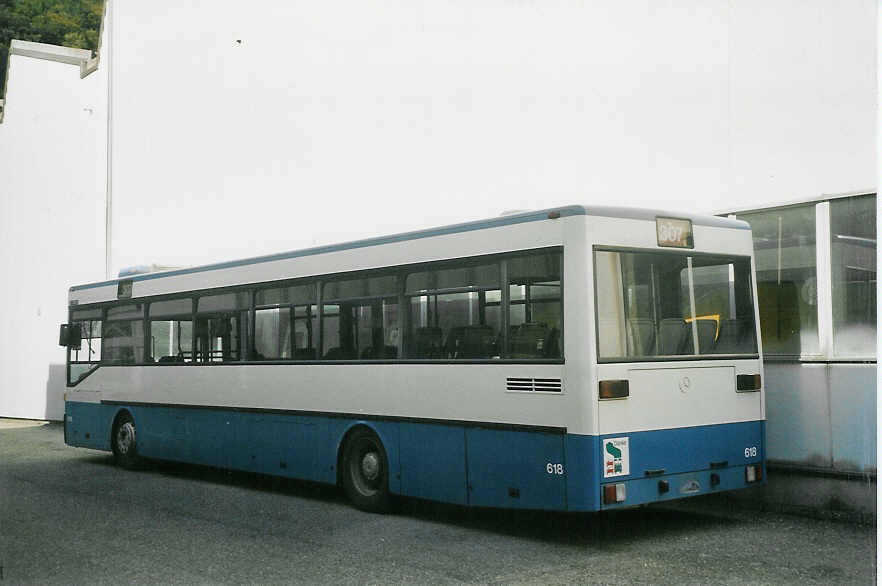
749, 382
613, 389
753, 474
613, 493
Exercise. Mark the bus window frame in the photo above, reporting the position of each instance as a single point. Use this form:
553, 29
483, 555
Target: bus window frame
167, 317
684, 252
95, 364
319, 281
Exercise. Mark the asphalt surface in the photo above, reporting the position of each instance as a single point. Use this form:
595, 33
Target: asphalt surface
68, 516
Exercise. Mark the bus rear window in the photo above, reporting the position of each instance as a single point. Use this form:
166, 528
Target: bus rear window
652, 305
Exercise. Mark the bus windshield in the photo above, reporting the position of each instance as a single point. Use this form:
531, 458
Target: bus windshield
654, 304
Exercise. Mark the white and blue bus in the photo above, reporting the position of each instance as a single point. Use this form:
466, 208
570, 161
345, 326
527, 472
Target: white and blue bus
577, 358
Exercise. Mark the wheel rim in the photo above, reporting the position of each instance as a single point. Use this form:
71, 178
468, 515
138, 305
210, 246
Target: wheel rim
370, 466
366, 469
125, 438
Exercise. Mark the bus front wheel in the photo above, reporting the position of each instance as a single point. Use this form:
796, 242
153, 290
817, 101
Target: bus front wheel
366, 472
124, 442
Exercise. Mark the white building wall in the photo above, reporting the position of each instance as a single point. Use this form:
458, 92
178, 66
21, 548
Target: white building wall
247, 130
331, 121
51, 222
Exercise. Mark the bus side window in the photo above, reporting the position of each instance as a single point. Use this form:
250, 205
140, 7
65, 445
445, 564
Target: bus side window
220, 327
361, 320
123, 334
219, 337
534, 306
171, 340
171, 331
272, 333
453, 312
305, 332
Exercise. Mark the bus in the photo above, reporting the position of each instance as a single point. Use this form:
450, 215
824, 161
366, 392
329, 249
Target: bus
579, 358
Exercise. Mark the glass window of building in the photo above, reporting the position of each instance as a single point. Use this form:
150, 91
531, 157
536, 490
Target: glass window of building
787, 283
853, 256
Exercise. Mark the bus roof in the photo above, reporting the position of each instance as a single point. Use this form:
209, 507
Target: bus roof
517, 218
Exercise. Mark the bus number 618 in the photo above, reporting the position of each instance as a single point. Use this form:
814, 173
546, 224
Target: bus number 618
554, 468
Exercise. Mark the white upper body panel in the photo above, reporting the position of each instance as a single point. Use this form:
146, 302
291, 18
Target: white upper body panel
464, 392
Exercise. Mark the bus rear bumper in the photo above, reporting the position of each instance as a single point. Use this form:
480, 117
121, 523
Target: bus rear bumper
655, 489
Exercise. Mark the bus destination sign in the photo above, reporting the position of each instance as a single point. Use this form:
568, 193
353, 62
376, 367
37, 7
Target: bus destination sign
674, 232
124, 289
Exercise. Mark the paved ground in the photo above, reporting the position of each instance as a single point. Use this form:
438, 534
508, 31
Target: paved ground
68, 516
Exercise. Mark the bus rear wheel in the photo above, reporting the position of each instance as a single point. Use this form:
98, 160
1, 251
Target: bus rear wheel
366, 472
124, 442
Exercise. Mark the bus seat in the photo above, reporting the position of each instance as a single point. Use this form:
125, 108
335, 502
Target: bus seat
427, 343
671, 336
736, 337
528, 341
339, 353
552, 344
707, 331
471, 342
381, 353
727, 343
304, 354
451, 343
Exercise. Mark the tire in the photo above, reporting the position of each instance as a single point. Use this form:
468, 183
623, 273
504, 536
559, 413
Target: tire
366, 472
124, 442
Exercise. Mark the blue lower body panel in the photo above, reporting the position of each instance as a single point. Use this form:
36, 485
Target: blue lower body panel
691, 461
467, 464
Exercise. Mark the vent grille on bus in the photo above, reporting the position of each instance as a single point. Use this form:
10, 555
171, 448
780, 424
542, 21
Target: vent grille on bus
552, 385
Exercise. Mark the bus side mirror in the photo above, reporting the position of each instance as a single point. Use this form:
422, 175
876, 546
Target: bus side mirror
70, 336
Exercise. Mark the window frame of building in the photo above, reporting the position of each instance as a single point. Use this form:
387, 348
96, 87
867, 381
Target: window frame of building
825, 256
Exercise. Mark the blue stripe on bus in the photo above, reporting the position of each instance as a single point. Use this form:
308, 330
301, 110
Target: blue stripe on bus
691, 448
686, 458
467, 465
617, 212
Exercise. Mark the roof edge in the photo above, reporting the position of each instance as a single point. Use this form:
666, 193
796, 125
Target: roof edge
519, 218
85, 59
796, 202
50, 52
